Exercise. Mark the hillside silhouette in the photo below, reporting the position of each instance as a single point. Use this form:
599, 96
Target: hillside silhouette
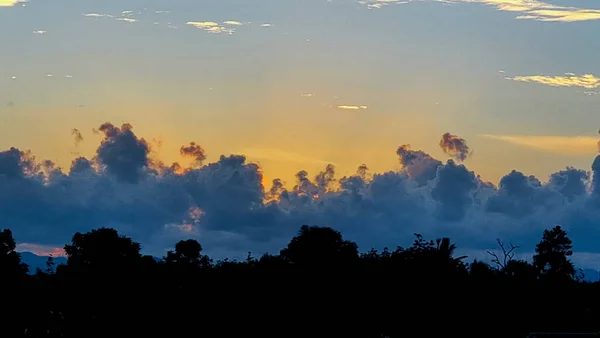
319, 285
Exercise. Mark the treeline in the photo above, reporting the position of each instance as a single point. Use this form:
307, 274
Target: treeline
317, 286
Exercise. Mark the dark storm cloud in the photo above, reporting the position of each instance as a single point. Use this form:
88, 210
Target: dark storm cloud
225, 205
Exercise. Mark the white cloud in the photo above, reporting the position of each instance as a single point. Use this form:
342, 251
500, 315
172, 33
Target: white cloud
588, 81
211, 27
351, 107
529, 9
10, 3
127, 19
39, 32
97, 15
232, 23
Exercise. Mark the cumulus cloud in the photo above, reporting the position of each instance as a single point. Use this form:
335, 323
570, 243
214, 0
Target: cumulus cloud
225, 205
528, 9
455, 146
587, 81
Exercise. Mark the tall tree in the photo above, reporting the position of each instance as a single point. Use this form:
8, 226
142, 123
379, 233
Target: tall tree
10, 260
552, 254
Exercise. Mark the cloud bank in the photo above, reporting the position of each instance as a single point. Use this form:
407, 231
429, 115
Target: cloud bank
225, 205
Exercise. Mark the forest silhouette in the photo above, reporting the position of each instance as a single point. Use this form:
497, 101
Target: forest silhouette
319, 285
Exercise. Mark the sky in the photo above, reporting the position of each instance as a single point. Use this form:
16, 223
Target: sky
294, 86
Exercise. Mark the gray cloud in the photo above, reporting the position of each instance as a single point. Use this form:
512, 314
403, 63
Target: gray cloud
455, 146
225, 205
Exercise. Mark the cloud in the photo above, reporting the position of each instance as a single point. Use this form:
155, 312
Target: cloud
232, 23
10, 3
381, 3
529, 9
350, 107
41, 250
564, 145
40, 32
226, 206
455, 146
212, 27
131, 20
587, 81
281, 155
97, 15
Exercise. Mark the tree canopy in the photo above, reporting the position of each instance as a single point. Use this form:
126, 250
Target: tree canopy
318, 285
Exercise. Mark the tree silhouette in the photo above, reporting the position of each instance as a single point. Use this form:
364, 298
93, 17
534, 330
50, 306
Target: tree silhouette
10, 260
188, 253
320, 247
318, 285
552, 254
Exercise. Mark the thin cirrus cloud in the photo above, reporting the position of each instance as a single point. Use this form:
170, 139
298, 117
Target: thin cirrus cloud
564, 145
529, 9
587, 81
126, 18
213, 27
351, 107
281, 156
10, 3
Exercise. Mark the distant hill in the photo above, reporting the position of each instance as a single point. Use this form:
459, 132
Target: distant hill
34, 261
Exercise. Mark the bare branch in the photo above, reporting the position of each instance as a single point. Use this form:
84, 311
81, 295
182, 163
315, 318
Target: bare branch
507, 255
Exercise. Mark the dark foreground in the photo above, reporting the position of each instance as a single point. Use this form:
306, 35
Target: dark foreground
318, 286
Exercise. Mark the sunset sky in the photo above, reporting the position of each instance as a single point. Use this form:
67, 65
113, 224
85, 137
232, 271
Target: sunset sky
298, 84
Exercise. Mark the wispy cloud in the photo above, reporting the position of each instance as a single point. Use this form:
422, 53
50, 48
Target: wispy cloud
529, 9
10, 3
97, 15
232, 23
349, 107
127, 19
39, 32
281, 155
213, 27
381, 3
588, 81
564, 145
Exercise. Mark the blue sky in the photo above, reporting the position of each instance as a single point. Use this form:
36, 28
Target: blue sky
294, 85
